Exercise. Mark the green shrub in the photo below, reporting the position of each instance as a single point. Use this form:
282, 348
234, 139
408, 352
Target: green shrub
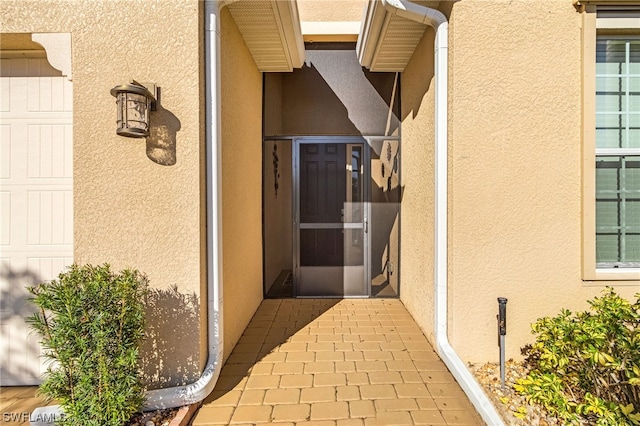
585, 367
91, 322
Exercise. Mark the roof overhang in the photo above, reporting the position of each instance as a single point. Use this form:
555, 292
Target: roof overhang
387, 40
271, 31
578, 3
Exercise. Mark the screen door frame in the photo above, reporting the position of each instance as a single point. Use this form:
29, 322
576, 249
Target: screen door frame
353, 288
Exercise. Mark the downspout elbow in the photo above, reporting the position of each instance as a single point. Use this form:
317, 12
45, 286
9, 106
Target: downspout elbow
201, 388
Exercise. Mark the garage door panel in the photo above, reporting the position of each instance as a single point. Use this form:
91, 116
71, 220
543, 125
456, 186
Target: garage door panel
45, 93
50, 149
68, 151
5, 220
47, 211
5, 84
17, 90
18, 67
5, 288
68, 96
57, 94
5, 151
20, 352
36, 197
37, 100
39, 151
47, 268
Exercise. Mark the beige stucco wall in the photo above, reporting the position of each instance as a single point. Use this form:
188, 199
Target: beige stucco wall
417, 182
141, 203
514, 166
241, 182
515, 171
333, 11
136, 202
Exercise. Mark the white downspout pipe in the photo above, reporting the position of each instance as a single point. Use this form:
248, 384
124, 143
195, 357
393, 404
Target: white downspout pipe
438, 21
195, 392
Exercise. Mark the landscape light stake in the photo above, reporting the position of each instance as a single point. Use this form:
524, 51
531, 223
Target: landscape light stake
502, 331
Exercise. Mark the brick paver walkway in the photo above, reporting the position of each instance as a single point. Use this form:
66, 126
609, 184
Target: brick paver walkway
335, 362
321, 362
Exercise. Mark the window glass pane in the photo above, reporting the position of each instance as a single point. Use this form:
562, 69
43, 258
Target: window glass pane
633, 135
608, 137
631, 120
618, 137
610, 98
634, 102
606, 68
606, 248
608, 121
615, 130
607, 173
633, 213
633, 247
607, 102
607, 213
608, 84
610, 57
618, 211
633, 67
631, 84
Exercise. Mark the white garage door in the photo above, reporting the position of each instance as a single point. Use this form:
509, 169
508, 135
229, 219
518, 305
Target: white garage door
36, 202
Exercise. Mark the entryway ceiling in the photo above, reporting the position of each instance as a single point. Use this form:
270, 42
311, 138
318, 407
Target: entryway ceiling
271, 31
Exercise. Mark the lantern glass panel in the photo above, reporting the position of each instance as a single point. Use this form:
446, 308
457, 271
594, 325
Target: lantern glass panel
137, 110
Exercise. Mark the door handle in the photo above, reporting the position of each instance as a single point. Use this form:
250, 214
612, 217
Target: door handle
366, 226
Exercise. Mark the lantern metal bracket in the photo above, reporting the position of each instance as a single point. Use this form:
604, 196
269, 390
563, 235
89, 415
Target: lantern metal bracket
153, 89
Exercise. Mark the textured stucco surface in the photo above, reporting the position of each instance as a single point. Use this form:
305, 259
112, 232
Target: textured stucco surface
417, 182
331, 11
140, 203
241, 181
514, 164
515, 175
136, 202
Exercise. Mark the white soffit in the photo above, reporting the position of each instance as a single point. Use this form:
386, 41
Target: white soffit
387, 41
271, 31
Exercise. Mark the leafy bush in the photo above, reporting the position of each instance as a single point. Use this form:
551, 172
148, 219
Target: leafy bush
585, 367
91, 322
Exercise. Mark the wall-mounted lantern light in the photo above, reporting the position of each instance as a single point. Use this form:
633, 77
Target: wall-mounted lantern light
134, 102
